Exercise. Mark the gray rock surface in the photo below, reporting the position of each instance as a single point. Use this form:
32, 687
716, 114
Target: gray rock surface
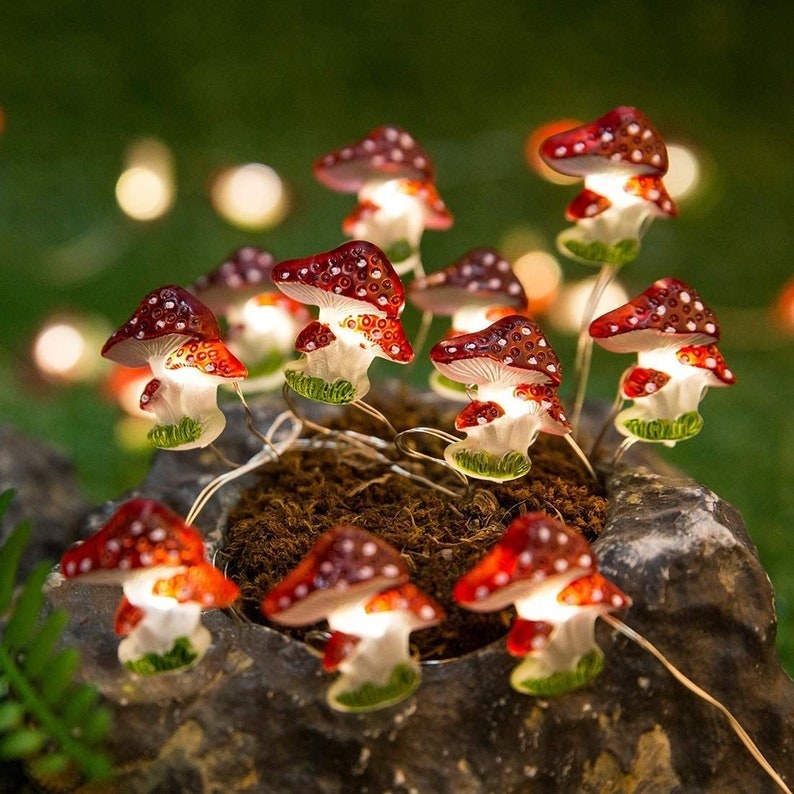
252, 715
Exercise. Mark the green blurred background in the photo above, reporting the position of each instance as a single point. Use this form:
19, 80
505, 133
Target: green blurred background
227, 83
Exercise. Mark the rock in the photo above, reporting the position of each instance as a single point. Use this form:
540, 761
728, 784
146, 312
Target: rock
47, 495
252, 715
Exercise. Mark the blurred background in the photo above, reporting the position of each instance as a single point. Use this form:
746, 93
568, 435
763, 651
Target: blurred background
141, 143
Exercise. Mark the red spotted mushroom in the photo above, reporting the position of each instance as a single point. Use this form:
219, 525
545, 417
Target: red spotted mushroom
549, 573
160, 562
397, 199
515, 372
336, 581
673, 332
622, 159
360, 298
261, 322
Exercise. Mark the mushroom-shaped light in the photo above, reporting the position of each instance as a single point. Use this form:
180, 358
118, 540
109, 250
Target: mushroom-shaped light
394, 215
516, 373
479, 280
335, 582
536, 566
360, 298
673, 333
622, 158
376, 666
184, 399
167, 581
261, 323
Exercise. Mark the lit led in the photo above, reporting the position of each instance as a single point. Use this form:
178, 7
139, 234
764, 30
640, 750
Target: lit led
66, 350
251, 196
540, 276
684, 172
572, 303
144, 194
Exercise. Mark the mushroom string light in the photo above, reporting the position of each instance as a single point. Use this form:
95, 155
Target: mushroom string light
622, 159
358, 583
397, 199
673, 332
360, 298
167, 581
178, 337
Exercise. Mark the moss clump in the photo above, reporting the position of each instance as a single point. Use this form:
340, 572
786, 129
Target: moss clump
180, 655
340, 392
298, 498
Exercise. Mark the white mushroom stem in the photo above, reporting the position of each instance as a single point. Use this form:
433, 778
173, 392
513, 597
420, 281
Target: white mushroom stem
259, 328
399, 216
165, 620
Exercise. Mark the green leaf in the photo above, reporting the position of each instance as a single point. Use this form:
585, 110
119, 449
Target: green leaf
22, 623
59, 677
11, 714
41, 647
22, 743
96, 726
10, 555
80, 703
50, 765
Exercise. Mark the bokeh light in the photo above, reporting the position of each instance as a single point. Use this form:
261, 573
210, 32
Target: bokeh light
570, 307
532, 150
784, 308
66, 349
684, 172
540, 275
146, 188
251, 196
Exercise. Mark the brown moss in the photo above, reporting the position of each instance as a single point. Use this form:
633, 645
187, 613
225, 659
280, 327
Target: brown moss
307, 492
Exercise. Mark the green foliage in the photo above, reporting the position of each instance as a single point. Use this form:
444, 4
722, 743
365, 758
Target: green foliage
598, 253
586, 669
46, 720
181, 654
479, 463
403, 680
681, 428
340, 392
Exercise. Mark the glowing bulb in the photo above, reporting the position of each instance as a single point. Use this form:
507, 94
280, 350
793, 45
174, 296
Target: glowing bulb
250, 196
570, 308
540, 276
532, 150
144, 193
683, 174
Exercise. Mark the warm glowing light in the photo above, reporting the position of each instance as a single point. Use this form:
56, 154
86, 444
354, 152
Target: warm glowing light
250, 196
540, 276
684, 172
570, 307
2, 120
532, 150
784, 308
66, 349
144, 194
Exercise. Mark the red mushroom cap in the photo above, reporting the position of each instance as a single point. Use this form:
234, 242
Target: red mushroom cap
355, 278
641, 381
346, 565
203, 583
554, 420
621, 140
387, 152
528, 636
242, 275
149, 394
421, 610
436, 214
587, 204
669, 312
338, 648
141, 533
534, 549
478, 413
594, 590
208, 356
511, 350
709, 358
164, 319
652, 189
481, 277
386, 334
314, 336
127, 617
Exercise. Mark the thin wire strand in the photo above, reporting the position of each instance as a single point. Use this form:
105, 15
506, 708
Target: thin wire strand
399, 441
580, 454
751, 746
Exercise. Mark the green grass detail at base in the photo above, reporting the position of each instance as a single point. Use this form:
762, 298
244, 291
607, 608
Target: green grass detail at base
587, 668
402, 682
620, 253
340, 392
483, 464
170, 436
679, 429
180, 655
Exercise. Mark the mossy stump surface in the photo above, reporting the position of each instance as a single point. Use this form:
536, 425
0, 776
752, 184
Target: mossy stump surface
307, 492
